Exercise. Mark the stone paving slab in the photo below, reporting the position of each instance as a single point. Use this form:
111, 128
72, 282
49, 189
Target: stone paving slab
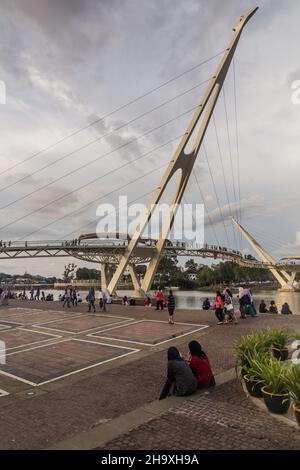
82, 323
148, 332
32, 316
46, 363
19, 337
220, 419
91, 397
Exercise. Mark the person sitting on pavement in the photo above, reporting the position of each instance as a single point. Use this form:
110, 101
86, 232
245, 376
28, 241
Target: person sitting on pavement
273, 308
263, 307
180, 378
200, 365
206, 304
125, 300
147, 302
285, 309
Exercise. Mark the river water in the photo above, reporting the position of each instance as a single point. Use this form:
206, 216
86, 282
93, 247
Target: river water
193, 299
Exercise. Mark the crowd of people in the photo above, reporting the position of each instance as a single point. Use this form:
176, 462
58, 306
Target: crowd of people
223, 305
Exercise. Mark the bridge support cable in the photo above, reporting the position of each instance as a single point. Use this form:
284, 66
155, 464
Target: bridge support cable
230, 156
205, 209
94, 221
98, 178
216, 193
97, 199
114, 111
97, 139
223, 172
237, 147
285, 279
183, 160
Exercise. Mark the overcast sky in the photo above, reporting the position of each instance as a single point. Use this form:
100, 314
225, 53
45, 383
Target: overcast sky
66, 63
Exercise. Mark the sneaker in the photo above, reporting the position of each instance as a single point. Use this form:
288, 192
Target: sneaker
220, 323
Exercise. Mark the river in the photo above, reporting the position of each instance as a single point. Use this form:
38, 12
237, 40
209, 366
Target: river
193, 299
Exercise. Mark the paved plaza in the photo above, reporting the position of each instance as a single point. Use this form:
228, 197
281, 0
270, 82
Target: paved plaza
70, 374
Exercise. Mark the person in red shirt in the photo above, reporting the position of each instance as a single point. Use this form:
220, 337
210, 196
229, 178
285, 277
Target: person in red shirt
200, 365
219, 312
159, 299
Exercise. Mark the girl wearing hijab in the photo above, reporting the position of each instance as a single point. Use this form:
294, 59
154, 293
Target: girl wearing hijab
180, 378
200, 366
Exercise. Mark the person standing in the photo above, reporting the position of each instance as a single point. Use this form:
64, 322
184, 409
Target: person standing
104, 300
159, 299
91, 299
67, 297
74, 296
37, 294
171, 307
219, 311
229, 308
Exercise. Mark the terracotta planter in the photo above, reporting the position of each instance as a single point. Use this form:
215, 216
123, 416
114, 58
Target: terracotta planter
278, 403
297, 413
254, 389
281, 354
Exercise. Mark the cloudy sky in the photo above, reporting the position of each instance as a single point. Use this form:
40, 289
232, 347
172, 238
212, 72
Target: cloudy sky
69, 63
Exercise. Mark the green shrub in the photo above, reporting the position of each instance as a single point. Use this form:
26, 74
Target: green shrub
248, 346
273, 374
292, 381
279, 339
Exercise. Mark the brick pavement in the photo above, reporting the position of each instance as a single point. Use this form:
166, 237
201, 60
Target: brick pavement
77, 403
221, 419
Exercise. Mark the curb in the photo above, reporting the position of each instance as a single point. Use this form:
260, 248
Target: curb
103, 433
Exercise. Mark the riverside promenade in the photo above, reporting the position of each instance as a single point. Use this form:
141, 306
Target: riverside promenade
74, 380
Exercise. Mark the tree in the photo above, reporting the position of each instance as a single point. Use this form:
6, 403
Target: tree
86, 273
69, 272
190, 264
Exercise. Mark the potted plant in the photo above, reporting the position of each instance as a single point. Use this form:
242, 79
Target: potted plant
296, 336
254, 379
249, 345
292, 381
279, 344
275, 392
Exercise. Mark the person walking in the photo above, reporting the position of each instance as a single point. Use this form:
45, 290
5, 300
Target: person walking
37, 294
104, 300
74, 297
171, 307
229, 308
219, 311
67, 297
159, 299
91, 299
31, 294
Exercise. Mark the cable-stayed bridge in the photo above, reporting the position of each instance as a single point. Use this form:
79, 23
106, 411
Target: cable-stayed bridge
175, 175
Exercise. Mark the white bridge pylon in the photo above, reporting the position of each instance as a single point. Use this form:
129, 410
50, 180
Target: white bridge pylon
182, 162
286, 280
